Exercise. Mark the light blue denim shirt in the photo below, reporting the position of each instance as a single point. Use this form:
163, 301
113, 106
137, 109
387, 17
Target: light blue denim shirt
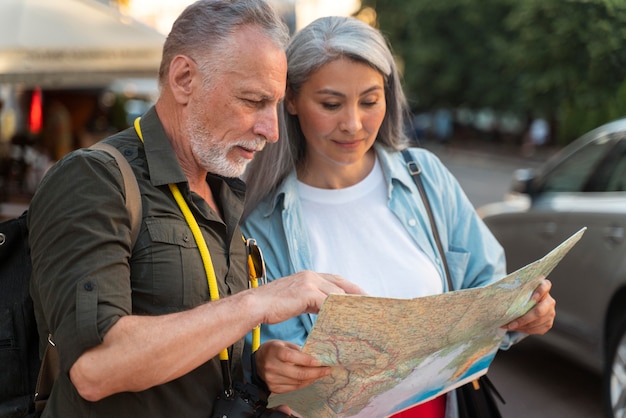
474, 256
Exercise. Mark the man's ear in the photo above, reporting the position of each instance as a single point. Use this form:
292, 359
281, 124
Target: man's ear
182, 72
290, 101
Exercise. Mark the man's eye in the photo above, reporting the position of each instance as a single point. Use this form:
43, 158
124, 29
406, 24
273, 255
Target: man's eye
254, 102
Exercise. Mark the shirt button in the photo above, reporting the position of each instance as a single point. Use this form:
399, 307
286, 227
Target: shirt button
89, 286
186, 237
412, 222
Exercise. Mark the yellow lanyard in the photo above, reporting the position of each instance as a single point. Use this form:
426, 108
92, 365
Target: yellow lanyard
206, 256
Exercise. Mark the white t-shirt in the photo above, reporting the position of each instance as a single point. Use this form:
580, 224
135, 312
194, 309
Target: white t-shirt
354, 234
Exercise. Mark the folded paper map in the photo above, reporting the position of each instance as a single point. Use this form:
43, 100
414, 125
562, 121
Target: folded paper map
391, 354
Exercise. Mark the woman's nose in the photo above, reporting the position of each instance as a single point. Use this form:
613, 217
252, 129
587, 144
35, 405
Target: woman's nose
351, 121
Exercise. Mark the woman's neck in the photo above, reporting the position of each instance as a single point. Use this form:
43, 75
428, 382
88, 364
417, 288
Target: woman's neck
331, 175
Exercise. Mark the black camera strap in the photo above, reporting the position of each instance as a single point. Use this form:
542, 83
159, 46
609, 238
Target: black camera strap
228, 380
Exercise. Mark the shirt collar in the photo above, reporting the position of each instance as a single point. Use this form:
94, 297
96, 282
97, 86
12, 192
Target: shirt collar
393, 166
162, 163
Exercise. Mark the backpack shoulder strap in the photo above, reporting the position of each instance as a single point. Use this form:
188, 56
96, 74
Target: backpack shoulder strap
49, 369
133, 196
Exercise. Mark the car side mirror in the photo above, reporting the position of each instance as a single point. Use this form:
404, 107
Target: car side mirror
523, 181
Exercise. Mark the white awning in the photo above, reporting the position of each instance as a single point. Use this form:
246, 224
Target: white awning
61, 43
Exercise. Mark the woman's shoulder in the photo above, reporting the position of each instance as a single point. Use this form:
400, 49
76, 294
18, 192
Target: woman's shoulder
264, 210
423, 154
424, 158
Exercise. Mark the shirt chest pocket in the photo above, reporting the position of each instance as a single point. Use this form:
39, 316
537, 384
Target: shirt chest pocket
173, 275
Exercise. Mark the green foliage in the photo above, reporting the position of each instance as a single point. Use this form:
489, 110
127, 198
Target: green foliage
446, 52
577, 120
570, 51
555, 58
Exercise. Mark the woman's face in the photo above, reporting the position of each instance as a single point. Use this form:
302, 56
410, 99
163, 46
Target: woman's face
340, 109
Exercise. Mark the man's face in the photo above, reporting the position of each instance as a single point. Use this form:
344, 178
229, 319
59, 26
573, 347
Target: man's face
235, 114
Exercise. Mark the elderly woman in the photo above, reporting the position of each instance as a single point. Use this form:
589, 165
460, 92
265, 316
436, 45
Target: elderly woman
334, 195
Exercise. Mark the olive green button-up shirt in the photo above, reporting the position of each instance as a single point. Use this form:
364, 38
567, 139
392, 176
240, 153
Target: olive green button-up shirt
86, 275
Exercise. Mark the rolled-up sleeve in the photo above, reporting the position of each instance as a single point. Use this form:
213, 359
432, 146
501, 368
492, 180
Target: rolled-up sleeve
79, 233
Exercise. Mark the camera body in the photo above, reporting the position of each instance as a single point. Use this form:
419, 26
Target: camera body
246, 401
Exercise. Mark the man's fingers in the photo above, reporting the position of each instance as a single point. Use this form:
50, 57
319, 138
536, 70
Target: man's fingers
303, 292
345, 285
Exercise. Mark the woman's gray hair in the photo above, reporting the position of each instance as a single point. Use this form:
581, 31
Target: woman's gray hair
322, 41
206, 26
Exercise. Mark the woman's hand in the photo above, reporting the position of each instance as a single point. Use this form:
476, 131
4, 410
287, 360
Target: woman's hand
283, 367
540, 318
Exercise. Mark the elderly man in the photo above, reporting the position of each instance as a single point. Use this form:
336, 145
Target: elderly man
134, 328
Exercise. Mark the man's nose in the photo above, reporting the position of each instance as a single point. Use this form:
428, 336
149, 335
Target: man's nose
267, 126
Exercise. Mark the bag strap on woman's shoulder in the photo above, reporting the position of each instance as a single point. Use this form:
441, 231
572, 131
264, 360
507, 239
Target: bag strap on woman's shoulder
483, 399
416, 172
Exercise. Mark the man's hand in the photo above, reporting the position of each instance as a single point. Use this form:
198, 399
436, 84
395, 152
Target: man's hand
303, 292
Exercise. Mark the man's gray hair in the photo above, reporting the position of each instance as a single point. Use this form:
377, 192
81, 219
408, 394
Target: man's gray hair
206, 26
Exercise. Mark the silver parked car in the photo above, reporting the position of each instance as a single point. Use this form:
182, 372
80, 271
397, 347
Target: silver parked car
582, 185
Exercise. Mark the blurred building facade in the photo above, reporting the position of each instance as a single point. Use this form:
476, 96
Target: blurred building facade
45, 115
55, 82
160, 14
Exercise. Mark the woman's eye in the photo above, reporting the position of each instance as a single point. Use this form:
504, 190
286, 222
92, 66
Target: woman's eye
330, 106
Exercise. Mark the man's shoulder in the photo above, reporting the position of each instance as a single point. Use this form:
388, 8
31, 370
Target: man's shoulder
126, 139
79, 165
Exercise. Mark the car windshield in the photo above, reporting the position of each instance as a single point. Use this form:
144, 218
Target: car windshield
599, 166
616, 181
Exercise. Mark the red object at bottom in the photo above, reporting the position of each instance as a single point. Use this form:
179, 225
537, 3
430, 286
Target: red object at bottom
435, 408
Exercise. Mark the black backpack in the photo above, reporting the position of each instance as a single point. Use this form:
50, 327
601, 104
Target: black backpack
19, 339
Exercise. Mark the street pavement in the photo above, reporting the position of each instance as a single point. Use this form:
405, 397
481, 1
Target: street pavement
486, 152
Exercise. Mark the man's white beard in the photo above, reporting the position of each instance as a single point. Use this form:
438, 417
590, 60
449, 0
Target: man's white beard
212, 155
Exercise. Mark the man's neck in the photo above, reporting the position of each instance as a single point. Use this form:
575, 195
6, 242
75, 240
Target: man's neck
196, 176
